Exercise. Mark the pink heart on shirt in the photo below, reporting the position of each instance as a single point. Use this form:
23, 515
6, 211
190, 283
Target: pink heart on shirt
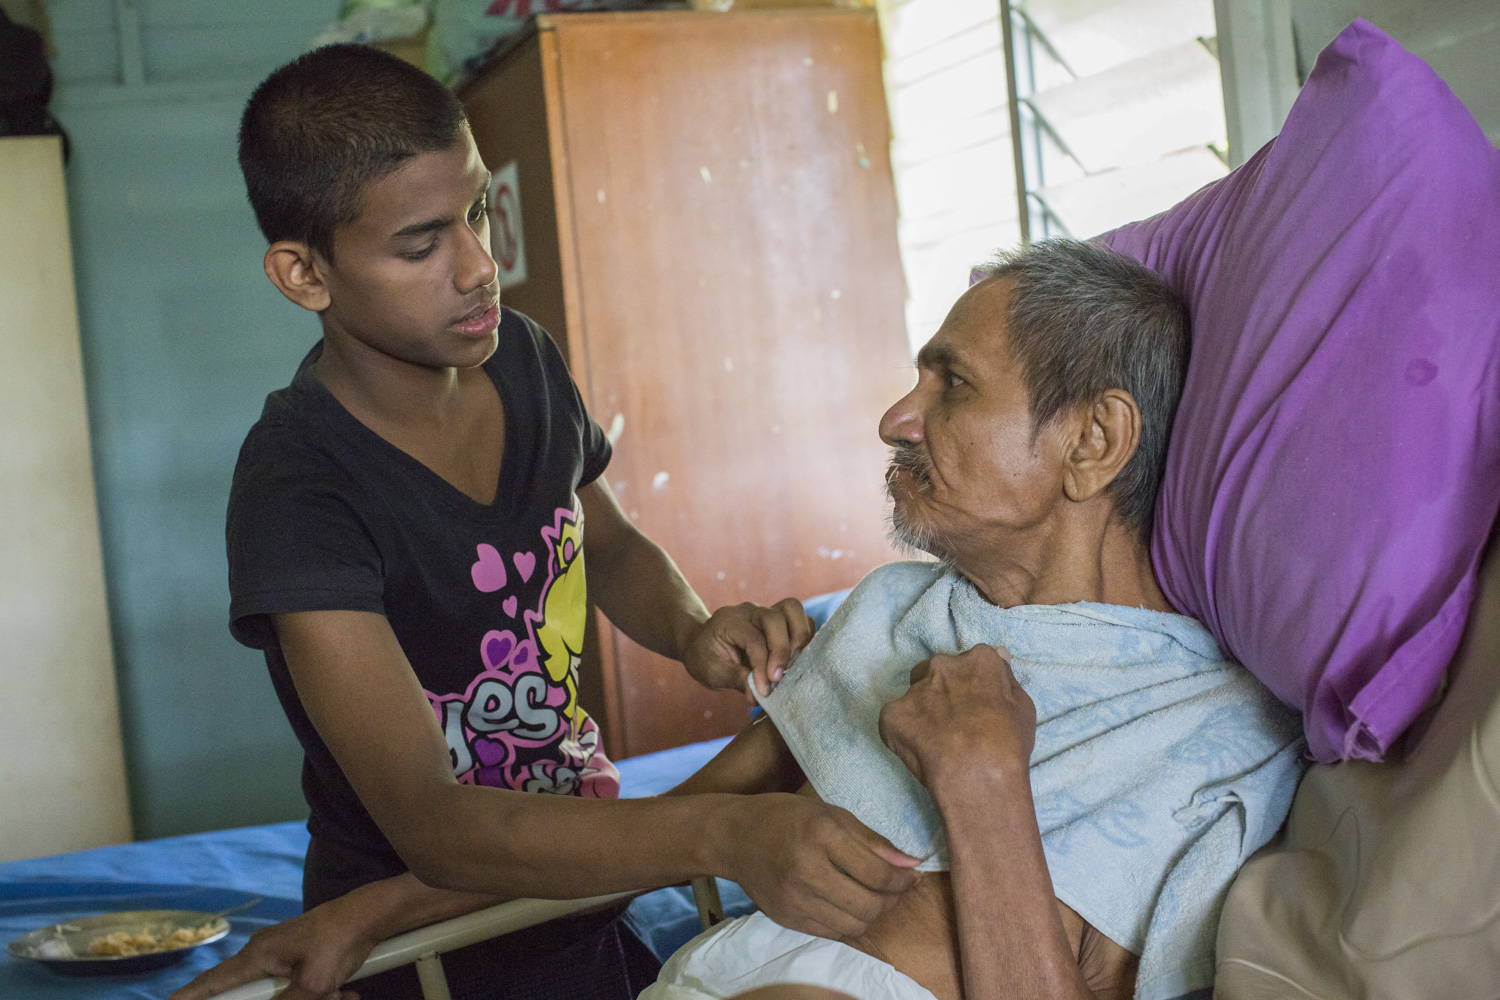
525, 564
510, 605
489, 571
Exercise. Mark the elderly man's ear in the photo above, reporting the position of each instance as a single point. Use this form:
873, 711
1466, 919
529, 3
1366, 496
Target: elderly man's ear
1103, 437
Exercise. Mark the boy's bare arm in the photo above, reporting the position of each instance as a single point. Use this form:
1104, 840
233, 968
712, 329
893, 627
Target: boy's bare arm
809, 865
322, 948
641, 590
755, 762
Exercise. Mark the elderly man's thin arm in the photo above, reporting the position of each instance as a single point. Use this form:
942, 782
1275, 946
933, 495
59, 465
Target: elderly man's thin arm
1011, 937
966, 730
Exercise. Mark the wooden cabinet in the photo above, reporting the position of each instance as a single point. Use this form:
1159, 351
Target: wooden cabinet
710, 234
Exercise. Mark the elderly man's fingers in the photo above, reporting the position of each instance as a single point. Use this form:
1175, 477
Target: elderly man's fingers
1003, 665
999, 659
892, 725
921, 672
992, 657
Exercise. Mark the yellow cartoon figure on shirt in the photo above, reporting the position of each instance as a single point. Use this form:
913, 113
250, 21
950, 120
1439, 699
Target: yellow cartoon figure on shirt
565, 614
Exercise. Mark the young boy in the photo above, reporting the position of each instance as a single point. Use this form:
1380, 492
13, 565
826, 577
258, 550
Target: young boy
407, 535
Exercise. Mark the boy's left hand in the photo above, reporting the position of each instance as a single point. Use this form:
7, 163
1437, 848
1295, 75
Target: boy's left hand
317, 951
746, 644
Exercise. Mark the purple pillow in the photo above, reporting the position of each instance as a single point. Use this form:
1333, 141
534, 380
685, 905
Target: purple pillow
1335, 465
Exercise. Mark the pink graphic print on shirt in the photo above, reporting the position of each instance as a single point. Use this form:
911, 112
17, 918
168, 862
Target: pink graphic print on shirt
518, 724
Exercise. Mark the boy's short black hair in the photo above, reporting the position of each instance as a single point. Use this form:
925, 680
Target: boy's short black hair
320, 128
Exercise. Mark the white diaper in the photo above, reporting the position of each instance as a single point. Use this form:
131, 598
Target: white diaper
754, 951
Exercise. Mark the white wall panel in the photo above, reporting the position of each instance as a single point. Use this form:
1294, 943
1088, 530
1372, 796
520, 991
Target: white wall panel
62, 769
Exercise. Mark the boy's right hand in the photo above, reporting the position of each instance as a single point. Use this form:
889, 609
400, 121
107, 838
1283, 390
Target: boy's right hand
748, 647
317, 951
813, 867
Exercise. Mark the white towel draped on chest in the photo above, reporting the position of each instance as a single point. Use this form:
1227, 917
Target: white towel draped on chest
1159, 765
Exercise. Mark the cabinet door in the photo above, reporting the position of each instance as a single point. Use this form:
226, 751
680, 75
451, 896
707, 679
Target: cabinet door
739, 309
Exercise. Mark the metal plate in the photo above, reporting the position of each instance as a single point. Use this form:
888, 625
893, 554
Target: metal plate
65, 947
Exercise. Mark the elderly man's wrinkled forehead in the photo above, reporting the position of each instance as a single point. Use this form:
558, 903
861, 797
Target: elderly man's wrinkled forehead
975, 326
984, 302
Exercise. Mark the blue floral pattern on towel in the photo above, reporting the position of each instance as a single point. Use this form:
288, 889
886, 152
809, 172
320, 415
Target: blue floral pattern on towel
1159, 766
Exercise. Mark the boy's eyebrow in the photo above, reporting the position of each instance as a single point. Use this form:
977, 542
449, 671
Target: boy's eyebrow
433, 225
422, 228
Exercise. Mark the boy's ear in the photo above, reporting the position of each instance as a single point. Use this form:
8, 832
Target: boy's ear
293, 268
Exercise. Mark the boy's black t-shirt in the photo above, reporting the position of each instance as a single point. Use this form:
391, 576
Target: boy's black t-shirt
487, 602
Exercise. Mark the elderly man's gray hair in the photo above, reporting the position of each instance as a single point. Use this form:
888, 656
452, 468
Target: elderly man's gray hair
1084, 319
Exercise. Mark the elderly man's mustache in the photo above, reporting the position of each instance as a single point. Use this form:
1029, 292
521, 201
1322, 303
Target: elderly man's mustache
909, 458
906, 533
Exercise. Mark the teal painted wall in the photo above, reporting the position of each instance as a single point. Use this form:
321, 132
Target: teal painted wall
183, 336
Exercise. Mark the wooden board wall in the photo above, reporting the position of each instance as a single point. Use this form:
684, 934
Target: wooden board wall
741, 297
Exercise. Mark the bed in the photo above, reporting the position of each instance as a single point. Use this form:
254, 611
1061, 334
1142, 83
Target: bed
229, 868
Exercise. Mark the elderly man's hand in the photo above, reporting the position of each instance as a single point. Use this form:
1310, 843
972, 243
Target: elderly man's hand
962, 713
746, 644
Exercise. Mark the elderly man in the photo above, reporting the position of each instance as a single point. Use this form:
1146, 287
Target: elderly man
1094, 787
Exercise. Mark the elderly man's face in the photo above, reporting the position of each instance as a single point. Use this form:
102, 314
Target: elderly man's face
966, 468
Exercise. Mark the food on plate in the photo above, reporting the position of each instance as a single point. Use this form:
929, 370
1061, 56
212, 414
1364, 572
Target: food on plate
144, 942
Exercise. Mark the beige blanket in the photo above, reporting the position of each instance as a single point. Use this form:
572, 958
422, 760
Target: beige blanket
1386, 881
